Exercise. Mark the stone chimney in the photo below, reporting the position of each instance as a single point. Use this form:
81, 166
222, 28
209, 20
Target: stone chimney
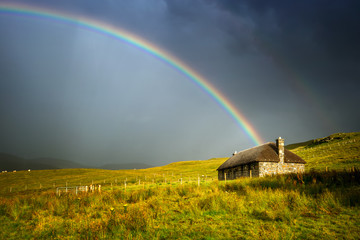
280, 149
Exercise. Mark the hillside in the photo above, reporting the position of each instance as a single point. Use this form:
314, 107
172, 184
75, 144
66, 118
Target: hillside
336, 152
310, 206
183, 200
117, 166
10, 162
189, 171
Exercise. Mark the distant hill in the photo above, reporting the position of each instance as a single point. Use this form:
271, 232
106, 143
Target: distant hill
118, 166
333, 137
10, 162
57, 163
296, 145
337, 151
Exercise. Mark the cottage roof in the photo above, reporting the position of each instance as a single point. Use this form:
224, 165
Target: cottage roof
267, 152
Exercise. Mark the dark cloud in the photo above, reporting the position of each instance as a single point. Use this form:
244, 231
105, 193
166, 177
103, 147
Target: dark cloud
314, 44
291, 68
322, 31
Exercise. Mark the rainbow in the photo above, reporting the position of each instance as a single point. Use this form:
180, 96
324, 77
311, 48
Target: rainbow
142, 44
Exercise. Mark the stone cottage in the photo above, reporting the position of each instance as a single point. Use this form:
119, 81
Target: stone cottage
267, 159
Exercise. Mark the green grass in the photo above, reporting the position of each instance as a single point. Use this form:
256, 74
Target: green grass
314, 205
336, 152
188, 171
311, 206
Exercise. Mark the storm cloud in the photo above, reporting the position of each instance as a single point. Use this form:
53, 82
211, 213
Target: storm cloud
291, 68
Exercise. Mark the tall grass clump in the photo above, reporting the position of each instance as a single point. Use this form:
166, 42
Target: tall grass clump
311, 205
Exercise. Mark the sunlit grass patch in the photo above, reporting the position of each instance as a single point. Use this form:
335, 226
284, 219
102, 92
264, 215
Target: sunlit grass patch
185, 201
271, 207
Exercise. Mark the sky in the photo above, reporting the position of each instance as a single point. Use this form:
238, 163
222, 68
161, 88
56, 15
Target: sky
291, 68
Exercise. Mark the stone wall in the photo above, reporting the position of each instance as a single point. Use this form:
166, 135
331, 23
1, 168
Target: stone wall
260, 169
271, 168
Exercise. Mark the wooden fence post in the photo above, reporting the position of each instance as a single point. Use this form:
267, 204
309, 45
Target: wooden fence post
250, 174
225, 178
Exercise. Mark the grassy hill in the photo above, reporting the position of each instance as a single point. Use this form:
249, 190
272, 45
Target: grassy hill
117, 166
169, 203
336, 152
188, 171
309, 206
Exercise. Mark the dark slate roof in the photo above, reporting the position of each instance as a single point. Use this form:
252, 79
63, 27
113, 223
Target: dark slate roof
263, 153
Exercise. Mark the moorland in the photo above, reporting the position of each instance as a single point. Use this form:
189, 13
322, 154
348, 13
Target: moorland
184, 200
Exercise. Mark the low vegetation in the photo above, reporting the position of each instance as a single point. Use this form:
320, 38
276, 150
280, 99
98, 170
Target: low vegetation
314, 205
185, 201
338, 151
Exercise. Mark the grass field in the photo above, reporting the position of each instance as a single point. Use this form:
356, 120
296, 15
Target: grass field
184, 200
338, 151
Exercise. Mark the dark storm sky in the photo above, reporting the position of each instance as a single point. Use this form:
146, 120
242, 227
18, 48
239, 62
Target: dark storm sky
291, 67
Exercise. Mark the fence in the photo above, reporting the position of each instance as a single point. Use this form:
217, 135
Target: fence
77, 189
